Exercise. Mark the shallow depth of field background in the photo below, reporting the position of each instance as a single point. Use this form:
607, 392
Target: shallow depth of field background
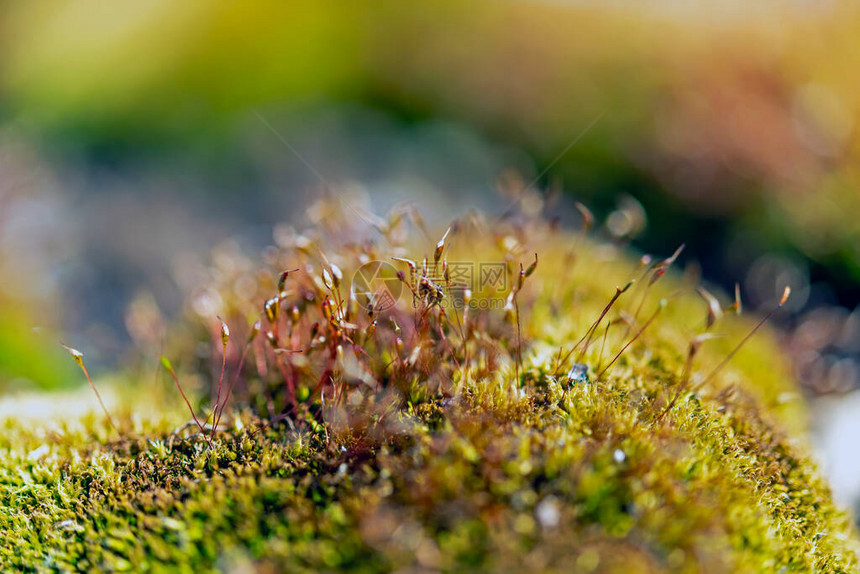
135, 138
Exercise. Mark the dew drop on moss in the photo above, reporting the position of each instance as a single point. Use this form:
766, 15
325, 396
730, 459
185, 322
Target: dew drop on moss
577, 374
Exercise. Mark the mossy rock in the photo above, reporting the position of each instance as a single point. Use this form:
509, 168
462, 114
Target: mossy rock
465, 458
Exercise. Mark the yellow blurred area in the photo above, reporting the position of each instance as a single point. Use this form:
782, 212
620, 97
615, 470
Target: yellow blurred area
159, 61
731, 111
700, 96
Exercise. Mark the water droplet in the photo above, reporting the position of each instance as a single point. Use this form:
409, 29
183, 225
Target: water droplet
578, 373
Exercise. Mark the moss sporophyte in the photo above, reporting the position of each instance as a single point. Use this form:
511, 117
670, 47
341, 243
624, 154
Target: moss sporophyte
562, 431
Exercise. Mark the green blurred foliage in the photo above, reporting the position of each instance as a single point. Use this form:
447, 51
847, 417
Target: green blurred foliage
27, 355
710, 114
161, 70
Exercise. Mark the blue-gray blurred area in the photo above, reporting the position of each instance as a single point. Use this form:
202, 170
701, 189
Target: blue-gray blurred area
136, 137
123, 227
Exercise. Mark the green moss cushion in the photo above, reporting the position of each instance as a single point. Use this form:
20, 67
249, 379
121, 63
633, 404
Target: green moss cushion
450, 453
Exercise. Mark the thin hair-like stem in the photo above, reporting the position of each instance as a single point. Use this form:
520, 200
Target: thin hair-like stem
603, 345
630, 342
785, 294
685, 379
657, 271
169, 368
618, 293
225, 338
78, 358
519, 340
223, 404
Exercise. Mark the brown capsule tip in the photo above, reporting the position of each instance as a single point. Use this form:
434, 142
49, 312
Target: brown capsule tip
587, 216
77, 356
668, 261
283, 278
694, 347
225, 332
785, 295
336, 275
412, 265
440, 247
659, 272
255, 330
271, 309
532, 267
715, 310
327, 308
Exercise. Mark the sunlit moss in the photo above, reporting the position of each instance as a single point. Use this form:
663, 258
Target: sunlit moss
461, 458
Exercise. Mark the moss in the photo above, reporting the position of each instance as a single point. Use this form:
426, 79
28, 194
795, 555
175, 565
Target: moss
496, 464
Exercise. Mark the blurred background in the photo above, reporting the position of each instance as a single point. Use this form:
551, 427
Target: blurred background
137, 137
